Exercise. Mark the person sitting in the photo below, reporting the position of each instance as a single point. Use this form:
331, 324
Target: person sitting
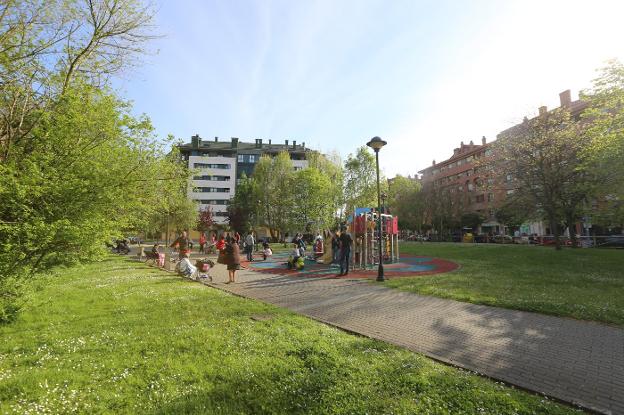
185, 268
266, 250
318, 247
294, 256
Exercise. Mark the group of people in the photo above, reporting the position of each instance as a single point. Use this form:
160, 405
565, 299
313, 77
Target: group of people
228, 247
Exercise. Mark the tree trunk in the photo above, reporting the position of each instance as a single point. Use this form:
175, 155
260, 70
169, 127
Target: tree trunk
572, 232
555, 230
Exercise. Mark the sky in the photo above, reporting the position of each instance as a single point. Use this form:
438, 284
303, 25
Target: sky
422, 75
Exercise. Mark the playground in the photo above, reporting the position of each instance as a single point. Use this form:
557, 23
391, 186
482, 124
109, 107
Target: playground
363, 225
407, 266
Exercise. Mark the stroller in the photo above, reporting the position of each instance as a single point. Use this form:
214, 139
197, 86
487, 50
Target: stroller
203, 269
120, 247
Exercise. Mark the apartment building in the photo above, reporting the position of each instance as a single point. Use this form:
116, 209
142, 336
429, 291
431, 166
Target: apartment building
219, 165
466, 183
463, 180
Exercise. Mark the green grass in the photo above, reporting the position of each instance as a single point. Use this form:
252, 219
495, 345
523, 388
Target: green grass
581, 283
118, 337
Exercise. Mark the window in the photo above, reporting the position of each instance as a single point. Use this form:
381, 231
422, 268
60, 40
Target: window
509, 178
460, 188
490, 197
210, 166
252, 158
480, 198
490, 180
510, 191
488, 152
241, 158
211, 189
470, 187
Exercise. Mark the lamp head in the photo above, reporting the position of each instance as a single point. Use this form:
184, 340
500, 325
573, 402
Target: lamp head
376, 143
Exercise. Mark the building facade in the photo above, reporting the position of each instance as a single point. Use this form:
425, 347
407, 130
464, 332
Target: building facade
468, 184
463, 180
219, 166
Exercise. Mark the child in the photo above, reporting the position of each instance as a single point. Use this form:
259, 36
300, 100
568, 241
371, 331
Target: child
294, 256
266, 250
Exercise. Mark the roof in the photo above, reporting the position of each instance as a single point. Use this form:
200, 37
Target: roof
242, 146
465, 151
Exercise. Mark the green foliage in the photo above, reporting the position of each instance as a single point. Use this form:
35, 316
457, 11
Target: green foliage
130, 339
274, 178
76, 168
604, 127
580, 283
406, 200
360, 180
471, 220
243, 208
544, 156
315, 206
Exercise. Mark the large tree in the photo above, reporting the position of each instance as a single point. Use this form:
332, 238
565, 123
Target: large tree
76, 167
406, 200
276, 192
360, 182
314, 208
604, 128
544, 158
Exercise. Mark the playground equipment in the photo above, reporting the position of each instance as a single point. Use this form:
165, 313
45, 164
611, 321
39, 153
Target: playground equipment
365, 230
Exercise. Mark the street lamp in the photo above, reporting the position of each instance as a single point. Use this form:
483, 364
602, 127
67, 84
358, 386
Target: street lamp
376, 144
384, 196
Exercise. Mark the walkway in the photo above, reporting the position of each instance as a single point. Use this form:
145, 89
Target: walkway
574, 361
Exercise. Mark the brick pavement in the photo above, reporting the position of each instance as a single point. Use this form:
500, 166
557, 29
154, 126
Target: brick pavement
575, 361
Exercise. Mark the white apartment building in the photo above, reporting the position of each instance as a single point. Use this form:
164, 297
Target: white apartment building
218, 166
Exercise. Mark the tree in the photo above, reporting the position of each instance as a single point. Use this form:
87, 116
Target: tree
314, 206
471, 220
604, 128
331, 167
439, 208
360, 180
205, 219
544, 156
244, 207
76, 168
405, 200
276, 190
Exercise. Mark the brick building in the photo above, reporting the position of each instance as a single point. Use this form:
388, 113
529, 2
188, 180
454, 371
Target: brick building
463, 180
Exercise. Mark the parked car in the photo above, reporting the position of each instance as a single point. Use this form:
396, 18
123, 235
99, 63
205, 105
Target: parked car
612, 242
480, 239
502, 239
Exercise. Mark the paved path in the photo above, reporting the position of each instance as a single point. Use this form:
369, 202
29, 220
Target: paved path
574, 361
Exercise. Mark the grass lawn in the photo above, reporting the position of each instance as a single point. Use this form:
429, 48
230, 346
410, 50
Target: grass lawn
119, 337
581, 283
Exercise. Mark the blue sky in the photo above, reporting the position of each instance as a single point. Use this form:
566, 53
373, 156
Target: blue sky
423, 75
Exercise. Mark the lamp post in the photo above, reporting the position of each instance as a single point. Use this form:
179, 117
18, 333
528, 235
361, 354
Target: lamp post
376, 144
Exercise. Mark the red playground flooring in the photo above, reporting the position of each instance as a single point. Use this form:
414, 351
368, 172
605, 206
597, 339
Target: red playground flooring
408, 266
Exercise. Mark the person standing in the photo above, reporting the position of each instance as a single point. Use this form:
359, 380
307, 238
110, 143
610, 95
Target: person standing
232, 257
202, 243
335, 244
249, 246
345, 252
182, 243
